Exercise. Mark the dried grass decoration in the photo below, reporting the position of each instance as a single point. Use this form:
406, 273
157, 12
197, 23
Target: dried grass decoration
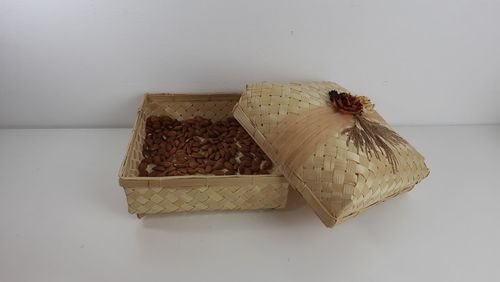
369, 136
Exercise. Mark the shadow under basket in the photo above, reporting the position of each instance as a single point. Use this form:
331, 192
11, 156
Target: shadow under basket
152, 195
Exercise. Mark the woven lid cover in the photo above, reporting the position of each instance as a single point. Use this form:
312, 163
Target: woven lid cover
310, 142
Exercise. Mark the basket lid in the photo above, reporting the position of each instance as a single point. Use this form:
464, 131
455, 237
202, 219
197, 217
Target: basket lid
329, 156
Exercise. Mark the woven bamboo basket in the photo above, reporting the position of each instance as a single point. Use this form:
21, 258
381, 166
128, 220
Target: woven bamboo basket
151, 195
336, 180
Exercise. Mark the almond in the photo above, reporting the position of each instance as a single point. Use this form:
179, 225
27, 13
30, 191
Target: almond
219, 165
197, 155
228, 165
199, 146
171, 133
218, 172
193, 164
208, 168
166, 164
159, 168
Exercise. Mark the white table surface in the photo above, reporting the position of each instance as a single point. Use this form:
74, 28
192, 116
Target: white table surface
63, 217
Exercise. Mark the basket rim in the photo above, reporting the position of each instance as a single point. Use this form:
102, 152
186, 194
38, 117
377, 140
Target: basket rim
132, 136
190, 96
198, 176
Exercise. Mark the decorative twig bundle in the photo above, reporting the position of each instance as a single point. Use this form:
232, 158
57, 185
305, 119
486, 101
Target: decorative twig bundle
371, 137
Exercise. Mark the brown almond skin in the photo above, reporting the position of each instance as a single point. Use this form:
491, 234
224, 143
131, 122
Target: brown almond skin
241, 168
208, 168
155, 173
180, 160
166, 164
267, 165
245, 159
247, 163
197, 155
218, 172
258, 158
162, 152
168, 147
143, 165
172, 168
255, 168
255, 163
193, 164
159, 168
219, 165
171, 133
143, 171
156, 160
228, 165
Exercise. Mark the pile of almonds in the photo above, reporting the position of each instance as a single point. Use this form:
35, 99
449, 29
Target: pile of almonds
199, 146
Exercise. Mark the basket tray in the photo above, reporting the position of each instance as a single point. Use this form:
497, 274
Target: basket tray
150, 195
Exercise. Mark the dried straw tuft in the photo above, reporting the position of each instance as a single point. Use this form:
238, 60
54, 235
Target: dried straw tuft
374, 139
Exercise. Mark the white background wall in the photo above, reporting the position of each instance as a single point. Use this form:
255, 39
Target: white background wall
85, 63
